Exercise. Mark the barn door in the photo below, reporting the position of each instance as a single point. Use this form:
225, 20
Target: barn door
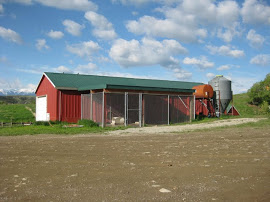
41, 109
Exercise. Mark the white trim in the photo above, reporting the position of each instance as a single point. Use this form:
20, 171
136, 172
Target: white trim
49, 79
41, 80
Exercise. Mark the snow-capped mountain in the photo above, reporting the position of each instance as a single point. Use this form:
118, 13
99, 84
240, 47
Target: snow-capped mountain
4, 92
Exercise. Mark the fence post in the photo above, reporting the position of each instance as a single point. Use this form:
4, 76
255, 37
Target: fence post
168, 109
140, 109
2, 124
103, 111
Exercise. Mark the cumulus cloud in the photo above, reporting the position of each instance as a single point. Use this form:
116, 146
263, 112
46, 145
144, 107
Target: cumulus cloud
142, 2
16, 84
182, 74
226, 51
256, 12
81, 5
224, 67
63, 69
84, 49
147, 52
25, 2
41, 44
1, 9
210, 75
201, 63
102, 27
10, 35
185, 21
86, 69
261, 60
72, 27
55, 34
255, 40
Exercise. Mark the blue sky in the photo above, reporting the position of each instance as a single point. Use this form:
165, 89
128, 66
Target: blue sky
189, 40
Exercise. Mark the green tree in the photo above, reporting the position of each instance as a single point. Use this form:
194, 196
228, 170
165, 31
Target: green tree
260, 92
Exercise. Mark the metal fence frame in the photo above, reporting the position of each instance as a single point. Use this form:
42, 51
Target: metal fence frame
141, 105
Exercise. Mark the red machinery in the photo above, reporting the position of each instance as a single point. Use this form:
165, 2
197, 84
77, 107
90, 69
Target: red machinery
204, 100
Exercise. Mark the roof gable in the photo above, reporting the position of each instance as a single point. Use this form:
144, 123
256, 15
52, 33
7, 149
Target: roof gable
92, 82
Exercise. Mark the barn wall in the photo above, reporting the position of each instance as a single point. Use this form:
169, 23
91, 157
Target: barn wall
46, 88
70, 107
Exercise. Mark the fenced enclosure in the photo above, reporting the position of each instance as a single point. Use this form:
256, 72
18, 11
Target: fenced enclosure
136, 109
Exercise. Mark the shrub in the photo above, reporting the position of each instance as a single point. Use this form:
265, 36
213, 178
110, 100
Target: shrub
88, 123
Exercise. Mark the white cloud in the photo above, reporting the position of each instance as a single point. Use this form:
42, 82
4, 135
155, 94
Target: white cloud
86, 69
55, 34
210, 75
226, 51
202, 63
83, 49
81, 5
182, 74
63, 69
1, 9
10, 35
73, 27
227, 34
224, 67
3, 59
256, 12
147, 52
261, 60
41, 44
10, 84
16, 84
256, 40
184, 31
185, 22
102, 27
25, 2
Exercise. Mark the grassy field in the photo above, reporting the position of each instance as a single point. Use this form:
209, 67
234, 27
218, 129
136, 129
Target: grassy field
240, 101
16, 113
18, 99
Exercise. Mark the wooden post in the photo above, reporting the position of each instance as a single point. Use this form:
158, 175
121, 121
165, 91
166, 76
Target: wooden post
2, 124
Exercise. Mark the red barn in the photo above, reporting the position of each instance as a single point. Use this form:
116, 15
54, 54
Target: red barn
113, 100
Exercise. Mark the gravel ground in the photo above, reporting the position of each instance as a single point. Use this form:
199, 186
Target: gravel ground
183, 128
228, 164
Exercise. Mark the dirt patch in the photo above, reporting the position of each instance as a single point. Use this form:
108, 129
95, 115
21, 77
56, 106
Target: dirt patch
220, 165
183, 128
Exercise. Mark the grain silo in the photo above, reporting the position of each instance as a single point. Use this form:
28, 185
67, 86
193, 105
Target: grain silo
222, 93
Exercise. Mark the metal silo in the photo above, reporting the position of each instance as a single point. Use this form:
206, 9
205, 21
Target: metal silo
222, 93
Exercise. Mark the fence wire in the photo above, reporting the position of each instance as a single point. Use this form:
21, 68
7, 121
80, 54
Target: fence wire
114, 109
155, 109
97, 104
86, 106
131, 108
180, 108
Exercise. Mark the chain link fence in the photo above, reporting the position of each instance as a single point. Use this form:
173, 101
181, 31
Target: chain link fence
86, 106
137, 109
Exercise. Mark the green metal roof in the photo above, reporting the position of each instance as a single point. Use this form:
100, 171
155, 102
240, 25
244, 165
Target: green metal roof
92, 82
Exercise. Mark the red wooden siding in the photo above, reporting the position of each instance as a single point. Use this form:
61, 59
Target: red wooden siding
46, 88
70, 106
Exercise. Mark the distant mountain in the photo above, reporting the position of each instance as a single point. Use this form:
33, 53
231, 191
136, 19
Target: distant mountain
4, 92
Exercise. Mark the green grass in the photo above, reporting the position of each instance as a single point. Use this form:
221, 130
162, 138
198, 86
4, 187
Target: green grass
54, 129
16, 113
244, 108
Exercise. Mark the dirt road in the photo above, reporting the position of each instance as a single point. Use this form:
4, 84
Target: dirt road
223, 165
